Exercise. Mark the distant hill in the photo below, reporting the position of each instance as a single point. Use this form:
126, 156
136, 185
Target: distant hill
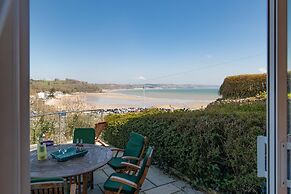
65, 86
132, 86
71, 86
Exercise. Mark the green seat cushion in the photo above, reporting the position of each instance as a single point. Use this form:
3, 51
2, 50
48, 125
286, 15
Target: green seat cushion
115, 163
51, 179
114, 186
86, 134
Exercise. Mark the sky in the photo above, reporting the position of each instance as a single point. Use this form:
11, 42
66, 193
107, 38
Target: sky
147, 41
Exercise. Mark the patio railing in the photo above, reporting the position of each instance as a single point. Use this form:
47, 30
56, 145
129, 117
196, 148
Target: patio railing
59, 126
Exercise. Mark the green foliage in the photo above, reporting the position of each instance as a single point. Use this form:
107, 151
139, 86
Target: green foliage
50, 126
55, 127
238, 107
242, 86
66, 86
249, 85
262, 95
215, 148
78, 120
51, 93
41, 126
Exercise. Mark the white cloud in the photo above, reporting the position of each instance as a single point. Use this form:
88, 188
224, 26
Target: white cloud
262, 70
141, 78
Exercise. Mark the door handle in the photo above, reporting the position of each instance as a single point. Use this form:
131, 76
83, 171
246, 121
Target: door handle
261, 156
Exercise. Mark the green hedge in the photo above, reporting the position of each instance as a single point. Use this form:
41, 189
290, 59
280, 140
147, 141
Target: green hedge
242, 86
216, 150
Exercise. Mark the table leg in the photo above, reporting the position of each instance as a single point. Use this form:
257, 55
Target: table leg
92, 179
85, 183
78, 179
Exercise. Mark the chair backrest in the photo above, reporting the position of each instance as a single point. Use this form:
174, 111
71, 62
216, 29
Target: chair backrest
86, 134
135, 145
99, 127
57, 187
144, 167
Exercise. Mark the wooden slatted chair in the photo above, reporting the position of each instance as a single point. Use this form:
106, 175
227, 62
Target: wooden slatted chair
129, 183
99, 127
132, 153
86, 134
88, 137
51, 186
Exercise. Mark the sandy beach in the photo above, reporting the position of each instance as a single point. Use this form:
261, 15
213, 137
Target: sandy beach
113, 99
126, 101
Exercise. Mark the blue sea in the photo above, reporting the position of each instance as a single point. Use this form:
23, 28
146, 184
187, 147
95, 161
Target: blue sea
180, 94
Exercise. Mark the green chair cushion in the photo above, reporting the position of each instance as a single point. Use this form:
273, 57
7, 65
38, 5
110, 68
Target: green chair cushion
40, 180
86, 134
114, 186
135, 145
115, 163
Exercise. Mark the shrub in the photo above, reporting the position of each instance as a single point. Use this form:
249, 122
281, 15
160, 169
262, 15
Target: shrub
77, 120
216, 150
40, 126
242, 86
257, 105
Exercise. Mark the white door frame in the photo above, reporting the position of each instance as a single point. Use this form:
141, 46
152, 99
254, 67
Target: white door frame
14, 96
277, 97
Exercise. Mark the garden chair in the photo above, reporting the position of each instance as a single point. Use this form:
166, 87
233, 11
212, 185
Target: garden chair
88, 137
51, 186
129, 183
132, 153
86, 134
99, 127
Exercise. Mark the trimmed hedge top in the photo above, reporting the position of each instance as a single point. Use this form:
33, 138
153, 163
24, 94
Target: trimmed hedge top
243, 86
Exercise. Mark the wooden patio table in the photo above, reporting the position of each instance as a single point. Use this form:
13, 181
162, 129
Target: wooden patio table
96, 157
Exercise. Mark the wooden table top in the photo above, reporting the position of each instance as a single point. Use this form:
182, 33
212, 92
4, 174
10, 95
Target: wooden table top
96, 157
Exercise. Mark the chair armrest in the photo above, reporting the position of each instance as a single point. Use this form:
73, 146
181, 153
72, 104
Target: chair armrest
130, 158
131, 166
117, 150
124, 181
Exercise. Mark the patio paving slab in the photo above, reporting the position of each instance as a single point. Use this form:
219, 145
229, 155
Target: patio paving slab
108, 171
185, 187
157, 177
99, 177
101, 187
165, 189
156, 182
147, 185
104, 167
96, 190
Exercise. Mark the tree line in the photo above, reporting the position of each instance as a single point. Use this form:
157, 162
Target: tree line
65, 86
